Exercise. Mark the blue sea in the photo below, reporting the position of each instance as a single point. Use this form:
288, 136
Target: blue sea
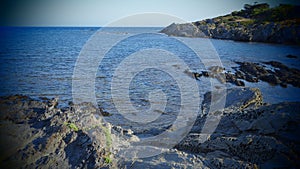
40, 62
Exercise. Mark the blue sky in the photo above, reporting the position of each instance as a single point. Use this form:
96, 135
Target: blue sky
103, 12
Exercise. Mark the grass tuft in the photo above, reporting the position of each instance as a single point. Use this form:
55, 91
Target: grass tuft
72, 126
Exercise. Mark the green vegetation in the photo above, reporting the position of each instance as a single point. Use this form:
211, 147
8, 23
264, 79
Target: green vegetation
107, 160
72, 126
108, 136
107, 133
260, 14
247, 22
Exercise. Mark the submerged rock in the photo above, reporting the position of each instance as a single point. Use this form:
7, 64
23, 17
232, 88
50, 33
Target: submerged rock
292, 56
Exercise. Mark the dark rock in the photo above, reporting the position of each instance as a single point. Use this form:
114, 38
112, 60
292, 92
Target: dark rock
271, 79
104, 113
284, 85
38, 134
277, 65
252, 68
249, 135
250, 78
282, 74
292, 56
205, 73
240, 75
258, 135
285, 74
230, 77
239, 83
197, 76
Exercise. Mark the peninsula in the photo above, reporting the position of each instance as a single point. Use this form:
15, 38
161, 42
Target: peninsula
254, 23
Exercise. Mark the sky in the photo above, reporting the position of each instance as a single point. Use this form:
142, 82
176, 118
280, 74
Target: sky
105, 12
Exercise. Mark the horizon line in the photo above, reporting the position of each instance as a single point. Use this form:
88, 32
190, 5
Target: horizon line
85, 26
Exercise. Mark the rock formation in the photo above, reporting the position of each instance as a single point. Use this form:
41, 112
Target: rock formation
273, 72
257, 23
251, 134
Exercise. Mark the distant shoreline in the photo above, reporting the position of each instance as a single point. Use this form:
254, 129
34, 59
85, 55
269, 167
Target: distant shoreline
255, 23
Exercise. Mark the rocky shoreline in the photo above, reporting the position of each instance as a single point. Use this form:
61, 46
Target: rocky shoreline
273, 72
251, 134
255, 23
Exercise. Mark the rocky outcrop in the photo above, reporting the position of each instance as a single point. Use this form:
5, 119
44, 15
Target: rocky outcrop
264, 137
251, 134
273, 72
255, 23
267, 32
36, 134
185, 30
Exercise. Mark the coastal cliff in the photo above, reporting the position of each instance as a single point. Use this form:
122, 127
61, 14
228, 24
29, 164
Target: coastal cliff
254, 23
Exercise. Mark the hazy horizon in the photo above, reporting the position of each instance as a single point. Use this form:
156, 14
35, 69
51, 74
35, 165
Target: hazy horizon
93, 13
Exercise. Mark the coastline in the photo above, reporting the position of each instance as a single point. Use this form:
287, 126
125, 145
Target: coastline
251, 134
255, 23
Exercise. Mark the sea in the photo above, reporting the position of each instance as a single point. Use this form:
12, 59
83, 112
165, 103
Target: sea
41, 62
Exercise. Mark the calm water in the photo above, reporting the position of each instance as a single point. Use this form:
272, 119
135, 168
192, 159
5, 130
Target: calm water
40, 62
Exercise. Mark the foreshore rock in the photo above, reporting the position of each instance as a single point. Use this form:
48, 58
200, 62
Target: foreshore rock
251, 134
36, 135
273, 72
264, 137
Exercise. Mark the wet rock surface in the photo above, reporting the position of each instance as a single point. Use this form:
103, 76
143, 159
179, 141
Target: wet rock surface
37, 134
276, 74
273, 72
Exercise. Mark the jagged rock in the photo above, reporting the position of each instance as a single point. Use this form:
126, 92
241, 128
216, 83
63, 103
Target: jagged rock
250, 138
277, 65
250, 78
271, 79
285, 74
32, 135
231, 78
252, 69
281, 75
